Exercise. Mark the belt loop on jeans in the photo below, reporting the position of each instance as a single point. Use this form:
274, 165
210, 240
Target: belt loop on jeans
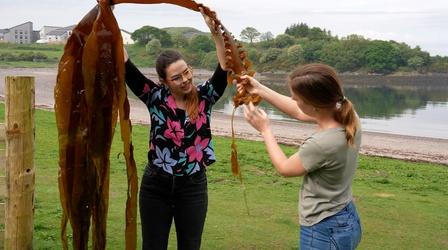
349, 206
158, 170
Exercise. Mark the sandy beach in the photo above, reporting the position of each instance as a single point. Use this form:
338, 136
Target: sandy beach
292, 133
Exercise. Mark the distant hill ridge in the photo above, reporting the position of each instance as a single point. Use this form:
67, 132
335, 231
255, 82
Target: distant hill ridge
187, 32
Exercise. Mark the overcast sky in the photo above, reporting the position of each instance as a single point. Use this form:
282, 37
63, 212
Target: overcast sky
423, 23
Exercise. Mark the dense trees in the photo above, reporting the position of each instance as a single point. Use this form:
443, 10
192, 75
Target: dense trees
439, 64
249, 34
381, 57
284, 41
302, 30
299, 44
298, 30
146, 33
267, 36
153, 47
201, 43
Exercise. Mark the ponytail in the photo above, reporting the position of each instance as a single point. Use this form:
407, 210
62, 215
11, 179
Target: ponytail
346, 115
319, 85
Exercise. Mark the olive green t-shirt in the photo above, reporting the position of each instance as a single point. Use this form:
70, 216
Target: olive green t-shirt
331, 164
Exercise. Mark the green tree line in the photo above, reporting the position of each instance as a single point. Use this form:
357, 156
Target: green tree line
299, 44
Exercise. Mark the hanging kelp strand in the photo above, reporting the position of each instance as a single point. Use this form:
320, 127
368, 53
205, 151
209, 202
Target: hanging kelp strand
90, 94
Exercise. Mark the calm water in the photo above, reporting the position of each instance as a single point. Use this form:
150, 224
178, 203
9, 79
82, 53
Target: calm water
416, 106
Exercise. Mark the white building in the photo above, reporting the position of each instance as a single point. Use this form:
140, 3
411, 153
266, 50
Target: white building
44, 32
22, 33
51, 34
3, 34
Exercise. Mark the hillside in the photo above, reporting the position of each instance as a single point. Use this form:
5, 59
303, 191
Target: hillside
187, 32
299, 44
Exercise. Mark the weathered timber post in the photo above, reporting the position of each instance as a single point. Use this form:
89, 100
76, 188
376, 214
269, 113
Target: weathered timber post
2, 185
19, 130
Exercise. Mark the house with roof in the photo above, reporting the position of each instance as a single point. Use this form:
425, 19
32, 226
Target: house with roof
2, 35
22, 33
56, 34
44, 32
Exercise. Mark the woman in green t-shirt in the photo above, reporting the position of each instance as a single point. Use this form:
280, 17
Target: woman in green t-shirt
327, 159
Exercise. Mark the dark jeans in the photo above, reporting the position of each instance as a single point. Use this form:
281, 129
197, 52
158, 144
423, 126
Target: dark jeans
164, 197
341, 231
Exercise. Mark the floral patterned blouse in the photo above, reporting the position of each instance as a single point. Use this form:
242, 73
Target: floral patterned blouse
178, 145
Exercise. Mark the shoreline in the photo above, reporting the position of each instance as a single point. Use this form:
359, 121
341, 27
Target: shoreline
269, 72
405, 147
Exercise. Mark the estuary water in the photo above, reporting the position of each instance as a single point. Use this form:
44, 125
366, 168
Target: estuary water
404, 105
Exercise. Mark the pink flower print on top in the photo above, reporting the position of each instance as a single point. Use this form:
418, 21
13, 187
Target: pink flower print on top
174, 132
146, 88
171, 103
195, 152
202, 118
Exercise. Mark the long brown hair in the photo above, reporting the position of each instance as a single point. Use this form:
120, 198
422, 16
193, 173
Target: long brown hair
164, 60
319, 85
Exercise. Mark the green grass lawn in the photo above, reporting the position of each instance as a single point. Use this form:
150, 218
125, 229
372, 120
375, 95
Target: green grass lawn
403, 205
52, 52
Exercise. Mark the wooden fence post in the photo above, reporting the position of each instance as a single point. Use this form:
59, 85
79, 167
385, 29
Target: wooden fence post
19, 129
2, 185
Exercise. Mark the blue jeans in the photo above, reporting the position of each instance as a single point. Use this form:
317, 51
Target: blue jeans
341, 231
164, 197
